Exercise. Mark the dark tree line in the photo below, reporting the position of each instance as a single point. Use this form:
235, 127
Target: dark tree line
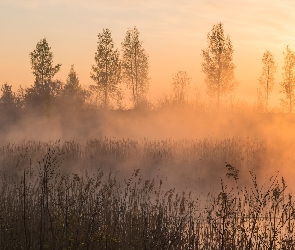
109, 72
114, 70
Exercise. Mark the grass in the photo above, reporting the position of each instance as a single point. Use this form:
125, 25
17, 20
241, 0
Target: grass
94, 196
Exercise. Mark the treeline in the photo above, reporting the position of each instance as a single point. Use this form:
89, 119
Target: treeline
115, 71
108, 73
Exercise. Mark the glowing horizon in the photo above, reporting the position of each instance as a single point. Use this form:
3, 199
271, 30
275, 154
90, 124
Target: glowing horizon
174, 34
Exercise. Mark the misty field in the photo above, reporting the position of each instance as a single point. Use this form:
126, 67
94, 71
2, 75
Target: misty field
164, 144
113, 193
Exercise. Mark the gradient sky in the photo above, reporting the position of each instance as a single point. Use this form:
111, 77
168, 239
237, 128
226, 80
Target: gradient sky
174, 33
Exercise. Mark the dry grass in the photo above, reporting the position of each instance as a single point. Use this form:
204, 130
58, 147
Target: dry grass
45, 206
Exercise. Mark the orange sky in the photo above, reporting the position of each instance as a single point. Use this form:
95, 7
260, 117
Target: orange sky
174, 33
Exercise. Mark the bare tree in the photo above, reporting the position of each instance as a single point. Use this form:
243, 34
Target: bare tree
288, 83
135, 66
217, 63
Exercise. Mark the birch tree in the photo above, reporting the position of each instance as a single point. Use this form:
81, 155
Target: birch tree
106, 72
218, 64
41, 60
135, 66
266, 80
288, 83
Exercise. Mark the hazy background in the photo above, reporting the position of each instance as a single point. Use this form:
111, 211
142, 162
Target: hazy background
174, 33
188, 149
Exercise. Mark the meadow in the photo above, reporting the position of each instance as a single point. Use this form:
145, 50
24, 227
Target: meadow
109, 164
215, 192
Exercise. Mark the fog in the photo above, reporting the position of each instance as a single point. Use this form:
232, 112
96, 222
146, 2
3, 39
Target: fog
186, 149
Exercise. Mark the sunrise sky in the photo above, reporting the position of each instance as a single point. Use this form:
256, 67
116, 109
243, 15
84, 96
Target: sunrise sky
174, 33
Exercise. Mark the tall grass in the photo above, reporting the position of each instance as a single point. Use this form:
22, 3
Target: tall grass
72, 199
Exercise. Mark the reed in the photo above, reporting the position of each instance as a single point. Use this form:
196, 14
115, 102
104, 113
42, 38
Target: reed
47, 206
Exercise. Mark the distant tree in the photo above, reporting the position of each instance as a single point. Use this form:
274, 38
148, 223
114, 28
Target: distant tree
181, 82
8, 105
7, 98
107, 69
217, 63
42, 62
72, 94
72, 86
288, 83
266, 80
135, 66
41, 95
199, 104
20, 97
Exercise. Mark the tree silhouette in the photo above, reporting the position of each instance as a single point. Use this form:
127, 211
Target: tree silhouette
135, 66
217, 63
266, 80
7, 98
8, 105
41, 95
107, 69
73, 96
42, 62
288, 83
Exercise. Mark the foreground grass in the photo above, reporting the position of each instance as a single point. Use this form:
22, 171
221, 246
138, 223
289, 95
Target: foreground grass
45, 208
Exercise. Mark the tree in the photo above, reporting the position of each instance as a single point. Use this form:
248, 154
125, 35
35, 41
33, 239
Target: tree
181, 82
217, 65
8, 105
72, 94
266, 80
288, 82
107, 69
41, 95
42, 62
135, 66
72, 86
8, 98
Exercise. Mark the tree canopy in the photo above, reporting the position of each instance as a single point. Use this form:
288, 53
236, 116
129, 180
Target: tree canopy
42, 62
135, 66
217, 63
106, 72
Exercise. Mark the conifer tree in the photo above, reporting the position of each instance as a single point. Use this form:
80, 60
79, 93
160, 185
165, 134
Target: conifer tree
72, 93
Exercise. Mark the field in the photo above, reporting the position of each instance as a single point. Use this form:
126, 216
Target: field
147, 125
216, 191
